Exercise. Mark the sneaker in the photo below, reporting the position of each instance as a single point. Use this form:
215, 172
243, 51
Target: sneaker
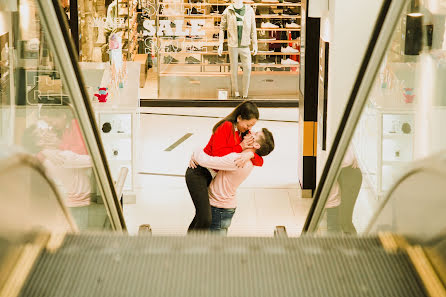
170, 60
194, 11
192, 60
289, 11
268, 25
192, 48
216, 60
289, 62
289, 49
292, 26
172, 48
269, 60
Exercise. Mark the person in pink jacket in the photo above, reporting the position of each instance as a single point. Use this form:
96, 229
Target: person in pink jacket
223, 188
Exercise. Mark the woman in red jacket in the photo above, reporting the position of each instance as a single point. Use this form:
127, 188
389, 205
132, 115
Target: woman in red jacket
226, 138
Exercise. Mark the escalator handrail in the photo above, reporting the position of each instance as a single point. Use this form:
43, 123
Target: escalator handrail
17, 159
377, 46
55, 24
434, 164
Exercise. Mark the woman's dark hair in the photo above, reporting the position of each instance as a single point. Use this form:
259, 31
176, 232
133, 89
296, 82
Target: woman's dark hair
247, 110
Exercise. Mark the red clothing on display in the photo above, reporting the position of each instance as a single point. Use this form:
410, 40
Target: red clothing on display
225, 141
72, 140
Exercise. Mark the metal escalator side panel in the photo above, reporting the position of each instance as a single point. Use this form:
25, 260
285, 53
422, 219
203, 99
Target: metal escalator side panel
379, 42
54, 23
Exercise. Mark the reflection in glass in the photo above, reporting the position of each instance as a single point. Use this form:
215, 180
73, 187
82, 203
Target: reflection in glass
37, 114
401, 123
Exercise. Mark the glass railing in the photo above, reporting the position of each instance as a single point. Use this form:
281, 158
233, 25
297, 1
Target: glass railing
395, 117
45, 110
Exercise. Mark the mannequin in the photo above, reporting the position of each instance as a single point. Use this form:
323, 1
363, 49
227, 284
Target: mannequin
239, 21
112, 14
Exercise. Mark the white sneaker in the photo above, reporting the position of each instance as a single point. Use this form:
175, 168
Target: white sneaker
289, 49
268, 25
292, 25
289, 62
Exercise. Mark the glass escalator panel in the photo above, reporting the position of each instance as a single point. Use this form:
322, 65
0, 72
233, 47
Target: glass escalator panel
394, 118
45, 111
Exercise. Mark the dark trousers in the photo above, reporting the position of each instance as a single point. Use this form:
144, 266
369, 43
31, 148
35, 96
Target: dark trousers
339, 219
197, 181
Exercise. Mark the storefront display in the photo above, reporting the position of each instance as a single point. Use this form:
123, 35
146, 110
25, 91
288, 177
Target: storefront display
189, 45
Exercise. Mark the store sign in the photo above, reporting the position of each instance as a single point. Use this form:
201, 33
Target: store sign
165, 28
108, 22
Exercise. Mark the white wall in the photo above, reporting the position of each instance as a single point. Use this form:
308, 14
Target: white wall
350, 25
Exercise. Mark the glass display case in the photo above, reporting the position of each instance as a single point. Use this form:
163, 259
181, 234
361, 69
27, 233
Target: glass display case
117, 117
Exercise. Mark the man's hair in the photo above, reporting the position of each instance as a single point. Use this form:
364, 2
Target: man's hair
266, 143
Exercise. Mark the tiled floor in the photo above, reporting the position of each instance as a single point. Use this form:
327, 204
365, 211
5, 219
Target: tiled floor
269, 197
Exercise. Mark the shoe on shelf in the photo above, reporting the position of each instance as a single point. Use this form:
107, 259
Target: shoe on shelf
192, 60
289, 49
268, 25
215, 36
170, 60
216, 60
172, 48
292, 25
194, 10
289, 62
288, 11
192, 48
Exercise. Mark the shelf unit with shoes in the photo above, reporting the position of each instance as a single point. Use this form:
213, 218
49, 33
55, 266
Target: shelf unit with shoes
278, 31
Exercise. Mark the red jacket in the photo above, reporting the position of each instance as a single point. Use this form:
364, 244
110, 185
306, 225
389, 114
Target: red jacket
225, 140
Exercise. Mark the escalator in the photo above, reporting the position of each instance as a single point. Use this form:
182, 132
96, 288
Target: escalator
401, 252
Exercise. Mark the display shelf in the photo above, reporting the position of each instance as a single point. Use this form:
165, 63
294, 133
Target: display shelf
211, 14
215, 73
381, 147
254, 4
279, 29
219, 16
226, 53
265, 16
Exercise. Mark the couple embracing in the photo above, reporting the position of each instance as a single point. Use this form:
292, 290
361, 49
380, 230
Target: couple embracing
215, 172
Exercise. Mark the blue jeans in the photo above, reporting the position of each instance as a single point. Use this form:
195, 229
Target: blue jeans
221, 219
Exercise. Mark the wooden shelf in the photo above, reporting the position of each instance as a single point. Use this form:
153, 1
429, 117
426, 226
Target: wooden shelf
227, 4
267, 16
279, 29
215, 73
190, 16
225, 53
277, 41
229, 64
216, 41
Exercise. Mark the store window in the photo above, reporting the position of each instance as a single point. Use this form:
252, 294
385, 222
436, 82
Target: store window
199, 49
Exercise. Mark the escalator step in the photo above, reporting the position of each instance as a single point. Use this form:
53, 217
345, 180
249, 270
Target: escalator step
210, 266
101, 240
